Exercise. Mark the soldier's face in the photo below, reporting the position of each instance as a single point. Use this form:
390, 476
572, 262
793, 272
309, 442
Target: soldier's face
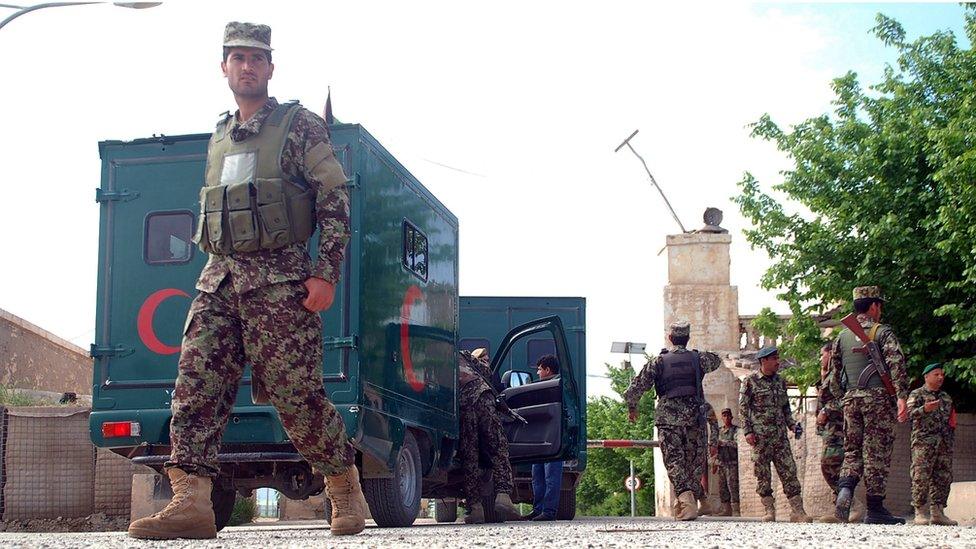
727, 419
247, 71
770, 365
934, 379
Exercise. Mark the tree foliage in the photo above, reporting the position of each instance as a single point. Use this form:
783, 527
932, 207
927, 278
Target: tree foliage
800, 348
601, 491
885, 195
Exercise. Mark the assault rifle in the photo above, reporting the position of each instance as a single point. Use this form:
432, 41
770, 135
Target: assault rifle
877, 365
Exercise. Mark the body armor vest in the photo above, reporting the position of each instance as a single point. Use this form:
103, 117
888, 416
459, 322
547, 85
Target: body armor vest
855, 363
248, 203
679, 375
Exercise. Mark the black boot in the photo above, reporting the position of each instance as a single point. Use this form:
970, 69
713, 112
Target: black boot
845, 496
877, 514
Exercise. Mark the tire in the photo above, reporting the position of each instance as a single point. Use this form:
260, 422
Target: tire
445, 510
395, 502
223, 505
327, 507
567, 505
488, 504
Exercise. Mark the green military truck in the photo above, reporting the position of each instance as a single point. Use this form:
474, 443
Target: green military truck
391, 338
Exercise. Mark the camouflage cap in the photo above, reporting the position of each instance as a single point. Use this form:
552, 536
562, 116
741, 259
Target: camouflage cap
247, 35
480, 353
767, 352
727, 411
867, 292
680, 328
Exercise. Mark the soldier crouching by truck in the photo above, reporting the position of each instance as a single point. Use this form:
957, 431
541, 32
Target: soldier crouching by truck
482, 439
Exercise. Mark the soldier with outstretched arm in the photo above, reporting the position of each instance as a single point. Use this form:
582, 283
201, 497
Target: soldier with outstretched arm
676, 375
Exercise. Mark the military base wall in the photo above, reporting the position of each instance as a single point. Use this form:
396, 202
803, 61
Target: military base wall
35, 359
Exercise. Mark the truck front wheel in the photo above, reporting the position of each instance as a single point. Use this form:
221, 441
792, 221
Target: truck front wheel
567, 505
395, 502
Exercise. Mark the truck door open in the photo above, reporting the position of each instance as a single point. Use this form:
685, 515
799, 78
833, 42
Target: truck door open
551, 407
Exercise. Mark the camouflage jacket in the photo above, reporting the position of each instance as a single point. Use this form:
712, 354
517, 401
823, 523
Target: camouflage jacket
839, 386
764, 405
930, 428
471, 379
728, 446
249, 271
681, 411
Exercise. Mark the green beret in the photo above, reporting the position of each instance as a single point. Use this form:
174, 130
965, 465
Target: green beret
767, 352
930, 367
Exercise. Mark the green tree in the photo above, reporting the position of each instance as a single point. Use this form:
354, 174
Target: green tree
601, 491
883, 193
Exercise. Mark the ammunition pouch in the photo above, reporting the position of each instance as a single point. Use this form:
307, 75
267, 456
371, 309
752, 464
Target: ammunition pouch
247, 217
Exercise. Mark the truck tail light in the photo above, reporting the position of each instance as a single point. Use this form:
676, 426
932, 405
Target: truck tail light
115, 429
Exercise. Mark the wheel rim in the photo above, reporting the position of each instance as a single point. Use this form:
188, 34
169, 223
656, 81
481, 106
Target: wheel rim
406, 473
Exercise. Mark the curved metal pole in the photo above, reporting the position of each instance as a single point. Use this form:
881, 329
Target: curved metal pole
29, 9
653, 181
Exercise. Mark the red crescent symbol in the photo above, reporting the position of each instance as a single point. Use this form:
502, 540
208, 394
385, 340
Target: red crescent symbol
144, 321
413, 294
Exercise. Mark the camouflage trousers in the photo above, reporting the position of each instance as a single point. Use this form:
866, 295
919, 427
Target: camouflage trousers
869, 421
269, 329
728, 482
483, 444
683, 449
931, 473
774, 449
832, 457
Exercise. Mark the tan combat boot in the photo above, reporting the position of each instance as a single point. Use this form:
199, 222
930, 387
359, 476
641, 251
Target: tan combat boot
725, 510
922, 516
476, 514
858, 508
505, 508
687, 507
705, 507
736, 510
938, 517
188, 515
769, 504
797, 514
348, 502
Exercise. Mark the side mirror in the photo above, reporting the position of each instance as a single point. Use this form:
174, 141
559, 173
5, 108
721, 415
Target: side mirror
507, 379
516, 379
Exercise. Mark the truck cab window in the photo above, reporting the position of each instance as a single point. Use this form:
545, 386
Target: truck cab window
414, 250
168, 237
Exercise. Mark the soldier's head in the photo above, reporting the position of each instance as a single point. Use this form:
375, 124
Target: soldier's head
768, 360
934, 376
247, 59
868, 301
679, 332
824, 359
547, 366
727, 417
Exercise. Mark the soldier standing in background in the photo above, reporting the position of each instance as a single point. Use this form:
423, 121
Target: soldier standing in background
869, 409
766, 419
933, 434
830, 426
676, 375
481, 434
728, 466
260, 295
705, 507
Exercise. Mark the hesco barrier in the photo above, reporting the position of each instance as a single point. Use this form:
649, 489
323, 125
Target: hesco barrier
49, 467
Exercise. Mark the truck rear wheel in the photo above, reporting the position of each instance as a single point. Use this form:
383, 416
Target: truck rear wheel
395, 502
223, 505
445, 510
567, 505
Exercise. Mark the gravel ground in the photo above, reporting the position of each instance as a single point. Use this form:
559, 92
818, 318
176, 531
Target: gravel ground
584, 532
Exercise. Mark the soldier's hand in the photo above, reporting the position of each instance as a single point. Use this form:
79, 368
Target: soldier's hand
320, 294
902, 411
822, 418
751, 439
931, 405
632, 415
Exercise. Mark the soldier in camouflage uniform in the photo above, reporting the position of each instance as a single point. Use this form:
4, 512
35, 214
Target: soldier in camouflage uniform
482, 438
705, 507
676, 375
933, 433
766, 419
869, 411
728, 466
260, 307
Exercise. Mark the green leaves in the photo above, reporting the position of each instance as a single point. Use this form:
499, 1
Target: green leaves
886, 190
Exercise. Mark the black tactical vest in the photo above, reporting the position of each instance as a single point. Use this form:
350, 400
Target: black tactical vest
679, 375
